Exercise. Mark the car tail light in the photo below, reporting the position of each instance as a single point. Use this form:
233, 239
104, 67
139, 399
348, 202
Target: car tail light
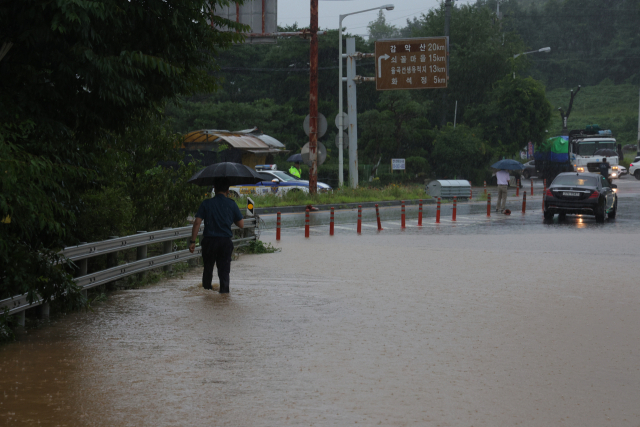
549, 193
631, 165
594, 195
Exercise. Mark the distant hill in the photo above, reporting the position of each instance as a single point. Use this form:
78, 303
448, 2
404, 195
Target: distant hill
611, 106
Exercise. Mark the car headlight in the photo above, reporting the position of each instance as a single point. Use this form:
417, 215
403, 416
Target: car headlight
613, 175
615, 168
580, 169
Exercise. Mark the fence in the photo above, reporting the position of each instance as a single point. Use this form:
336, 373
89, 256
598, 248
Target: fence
81, 253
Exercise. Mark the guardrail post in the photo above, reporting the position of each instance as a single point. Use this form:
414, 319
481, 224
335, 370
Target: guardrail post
438, 212
112, 261
141, 253
278, 227
167, 247
453, 214
532, 187
331, 223
306, 224
82, 270
419, 213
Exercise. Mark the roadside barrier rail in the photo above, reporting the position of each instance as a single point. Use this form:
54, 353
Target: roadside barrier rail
19, 303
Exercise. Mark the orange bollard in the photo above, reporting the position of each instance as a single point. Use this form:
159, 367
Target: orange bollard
278, 227
455, 202
470, 194
489, 204
402, 221
438, 212
306, 224
524, 202
517, 188
485, 187
420, 213
378, 217
359, 219
532, 187
331, 223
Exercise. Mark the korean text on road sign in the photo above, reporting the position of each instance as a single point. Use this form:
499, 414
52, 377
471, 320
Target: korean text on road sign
418, 63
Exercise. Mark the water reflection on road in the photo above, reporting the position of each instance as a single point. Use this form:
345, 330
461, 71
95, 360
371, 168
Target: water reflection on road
500, 322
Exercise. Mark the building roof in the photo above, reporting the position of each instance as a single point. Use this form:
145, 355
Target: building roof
249, 139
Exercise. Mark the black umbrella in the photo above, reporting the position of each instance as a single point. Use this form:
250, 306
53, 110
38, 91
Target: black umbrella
606, 152
295, 158
233, 173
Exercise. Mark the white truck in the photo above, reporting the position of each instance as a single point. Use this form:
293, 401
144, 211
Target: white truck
586, 150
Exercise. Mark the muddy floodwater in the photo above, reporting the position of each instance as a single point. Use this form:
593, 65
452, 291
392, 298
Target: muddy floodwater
493, 327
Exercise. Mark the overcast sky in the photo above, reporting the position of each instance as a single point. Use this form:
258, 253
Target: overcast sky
291, 11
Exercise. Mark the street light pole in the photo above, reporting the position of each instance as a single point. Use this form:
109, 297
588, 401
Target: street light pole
544, 49
340, 99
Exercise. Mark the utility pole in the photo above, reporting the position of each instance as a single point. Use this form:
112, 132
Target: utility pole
447, 17
565, 116
352, 111
313, 100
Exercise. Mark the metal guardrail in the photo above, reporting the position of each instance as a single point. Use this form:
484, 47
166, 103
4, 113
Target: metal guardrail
20, 303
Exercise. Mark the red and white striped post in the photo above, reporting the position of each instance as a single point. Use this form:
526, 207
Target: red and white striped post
489, 204
524, 202
470, 194
306, 223
485, 187
331, 223
359, 219
438, 212
455, 202
517, 188
532, 187
403, 216
378, 218
420, 213
278, 227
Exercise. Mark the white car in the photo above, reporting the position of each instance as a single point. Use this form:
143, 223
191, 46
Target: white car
634, 167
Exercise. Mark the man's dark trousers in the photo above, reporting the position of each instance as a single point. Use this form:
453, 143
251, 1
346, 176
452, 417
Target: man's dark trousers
216, 250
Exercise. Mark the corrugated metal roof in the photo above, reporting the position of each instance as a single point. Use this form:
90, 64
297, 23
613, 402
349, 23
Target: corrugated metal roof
242, 139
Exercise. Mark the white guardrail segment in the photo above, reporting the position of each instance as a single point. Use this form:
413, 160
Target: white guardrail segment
20, 302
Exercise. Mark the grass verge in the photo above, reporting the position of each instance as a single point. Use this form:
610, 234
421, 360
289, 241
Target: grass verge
339, 196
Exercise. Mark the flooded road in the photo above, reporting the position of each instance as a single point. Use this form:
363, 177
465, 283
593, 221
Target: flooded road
482, 323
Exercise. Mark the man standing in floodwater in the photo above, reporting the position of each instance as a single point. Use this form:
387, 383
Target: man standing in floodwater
218, 213
503, 181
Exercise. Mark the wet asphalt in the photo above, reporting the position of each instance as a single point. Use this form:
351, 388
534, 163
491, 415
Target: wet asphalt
500, 321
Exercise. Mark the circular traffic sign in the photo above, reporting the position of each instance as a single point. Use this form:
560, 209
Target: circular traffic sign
345, 141
321, 152
345, 119
322, 125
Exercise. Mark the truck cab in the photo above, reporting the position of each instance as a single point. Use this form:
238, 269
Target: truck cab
585, 150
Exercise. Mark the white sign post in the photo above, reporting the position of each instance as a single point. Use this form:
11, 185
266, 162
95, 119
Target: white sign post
397, 165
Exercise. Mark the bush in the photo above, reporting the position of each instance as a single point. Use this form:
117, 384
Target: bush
105, 212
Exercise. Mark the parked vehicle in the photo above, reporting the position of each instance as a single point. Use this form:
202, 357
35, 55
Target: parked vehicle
581, 193
634, 167
529, 169
275, 182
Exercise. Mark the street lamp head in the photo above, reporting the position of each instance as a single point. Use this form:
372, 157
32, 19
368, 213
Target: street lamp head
389, 6
545, 49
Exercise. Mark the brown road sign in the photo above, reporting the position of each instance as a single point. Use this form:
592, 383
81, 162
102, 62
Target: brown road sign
418, 63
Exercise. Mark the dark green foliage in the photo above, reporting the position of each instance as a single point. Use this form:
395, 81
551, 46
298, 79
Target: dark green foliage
258, 247
460, 153
76, 77
517, 112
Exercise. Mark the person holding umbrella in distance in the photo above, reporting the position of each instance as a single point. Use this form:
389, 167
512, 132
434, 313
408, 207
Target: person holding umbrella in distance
218, 213
502, 176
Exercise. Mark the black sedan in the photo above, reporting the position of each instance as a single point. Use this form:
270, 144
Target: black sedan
581, 193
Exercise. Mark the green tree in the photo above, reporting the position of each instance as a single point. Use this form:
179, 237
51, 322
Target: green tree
379, 29
517, 112
460, 153
72, 73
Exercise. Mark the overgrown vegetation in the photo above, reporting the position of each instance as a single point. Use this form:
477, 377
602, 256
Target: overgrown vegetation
340, 196
258, 247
